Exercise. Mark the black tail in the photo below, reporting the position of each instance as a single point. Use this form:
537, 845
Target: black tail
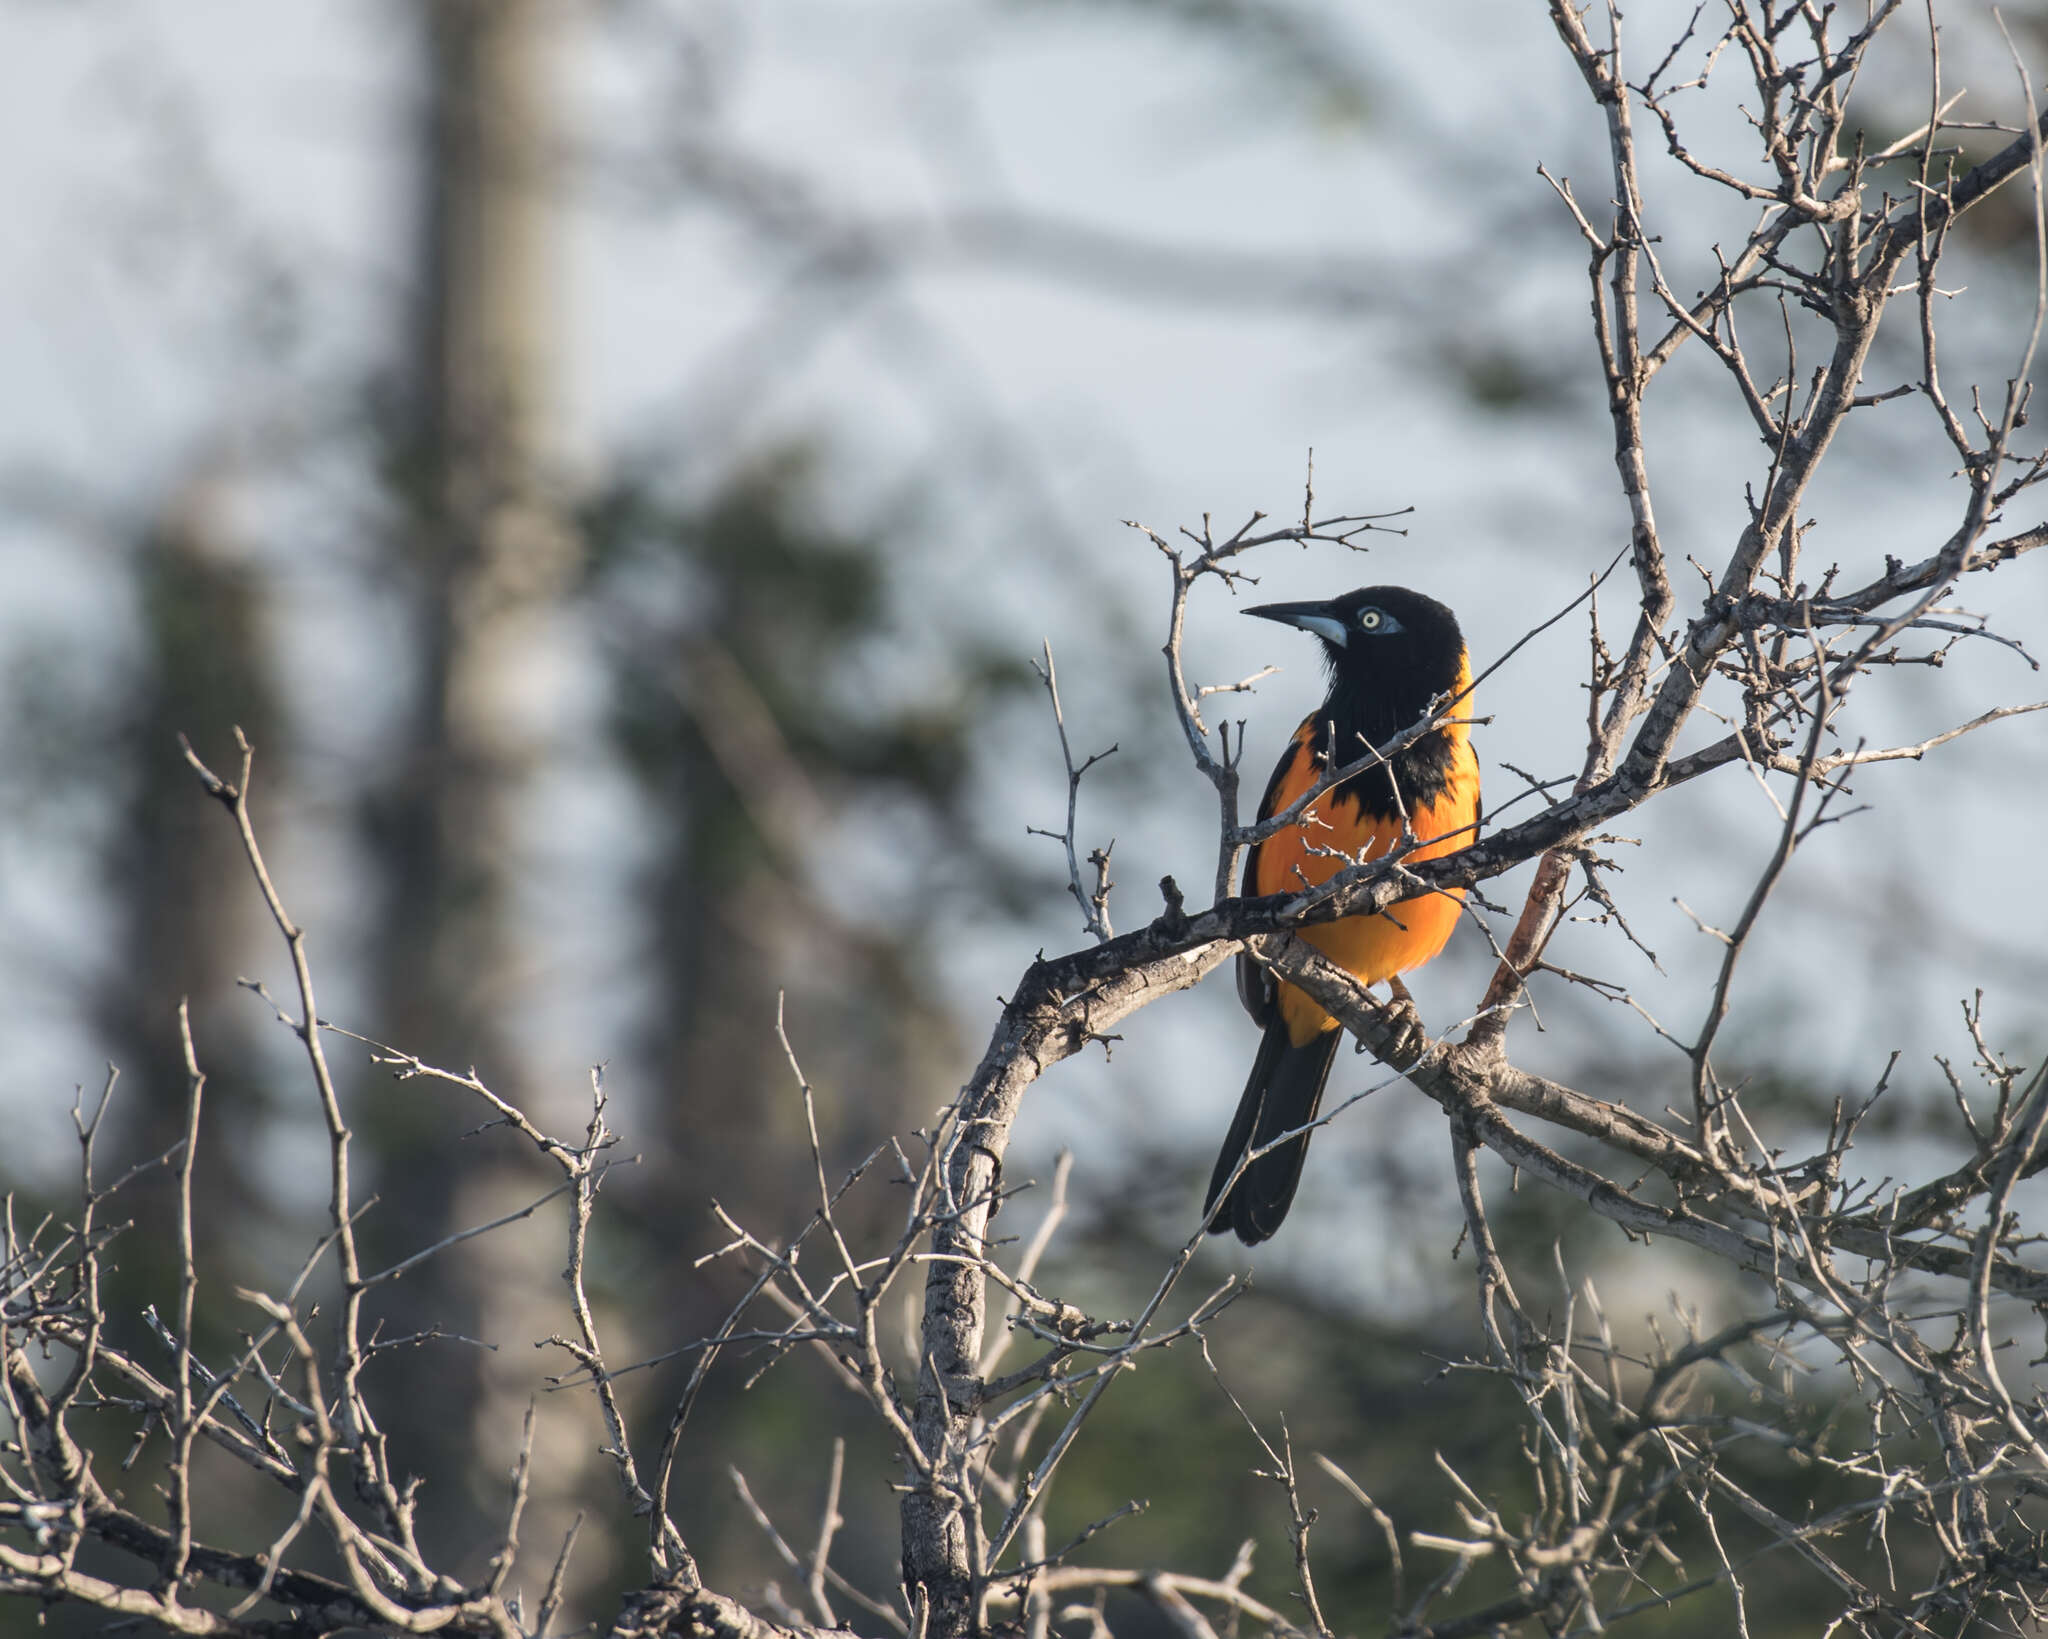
1284, 1091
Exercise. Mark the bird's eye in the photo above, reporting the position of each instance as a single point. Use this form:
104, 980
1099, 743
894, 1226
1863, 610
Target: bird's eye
1371, 620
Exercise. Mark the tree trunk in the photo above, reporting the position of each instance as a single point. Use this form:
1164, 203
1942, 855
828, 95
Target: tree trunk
491, 557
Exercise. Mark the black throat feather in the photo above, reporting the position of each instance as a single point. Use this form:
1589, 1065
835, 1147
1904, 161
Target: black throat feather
1362, 712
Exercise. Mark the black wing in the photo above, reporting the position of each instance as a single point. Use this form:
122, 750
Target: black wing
1256, 987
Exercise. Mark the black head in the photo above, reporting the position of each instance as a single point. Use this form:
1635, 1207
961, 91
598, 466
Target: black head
1391, 652
1386, 640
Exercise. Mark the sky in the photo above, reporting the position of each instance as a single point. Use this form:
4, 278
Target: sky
175, 168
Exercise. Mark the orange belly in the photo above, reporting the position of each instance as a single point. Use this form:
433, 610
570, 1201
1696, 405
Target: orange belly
1333, 835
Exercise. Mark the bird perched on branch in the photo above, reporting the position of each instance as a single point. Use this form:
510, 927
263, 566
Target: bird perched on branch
1392, 653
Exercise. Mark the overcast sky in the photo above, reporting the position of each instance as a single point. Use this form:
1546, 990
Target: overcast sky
162, 161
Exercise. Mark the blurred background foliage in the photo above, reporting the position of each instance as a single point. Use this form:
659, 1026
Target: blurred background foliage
625, 554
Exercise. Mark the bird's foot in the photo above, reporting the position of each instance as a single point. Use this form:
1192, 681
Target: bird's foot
1410, 1040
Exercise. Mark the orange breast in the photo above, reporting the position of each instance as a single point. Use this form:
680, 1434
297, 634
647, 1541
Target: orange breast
1333, 834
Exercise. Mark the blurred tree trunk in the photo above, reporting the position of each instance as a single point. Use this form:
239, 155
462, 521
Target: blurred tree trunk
490, 553
490, 557
741, 631
177, 879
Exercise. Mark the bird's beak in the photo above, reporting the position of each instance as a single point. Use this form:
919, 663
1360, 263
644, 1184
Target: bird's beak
1319, 618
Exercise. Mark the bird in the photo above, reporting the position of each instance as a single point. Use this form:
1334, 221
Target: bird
1390, 653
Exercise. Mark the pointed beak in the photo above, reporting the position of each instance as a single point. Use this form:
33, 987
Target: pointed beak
1319, 618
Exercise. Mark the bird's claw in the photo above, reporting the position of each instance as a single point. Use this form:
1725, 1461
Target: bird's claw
1409, 1041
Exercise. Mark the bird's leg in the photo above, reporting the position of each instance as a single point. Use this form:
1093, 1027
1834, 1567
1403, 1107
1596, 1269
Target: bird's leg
1410, 1041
